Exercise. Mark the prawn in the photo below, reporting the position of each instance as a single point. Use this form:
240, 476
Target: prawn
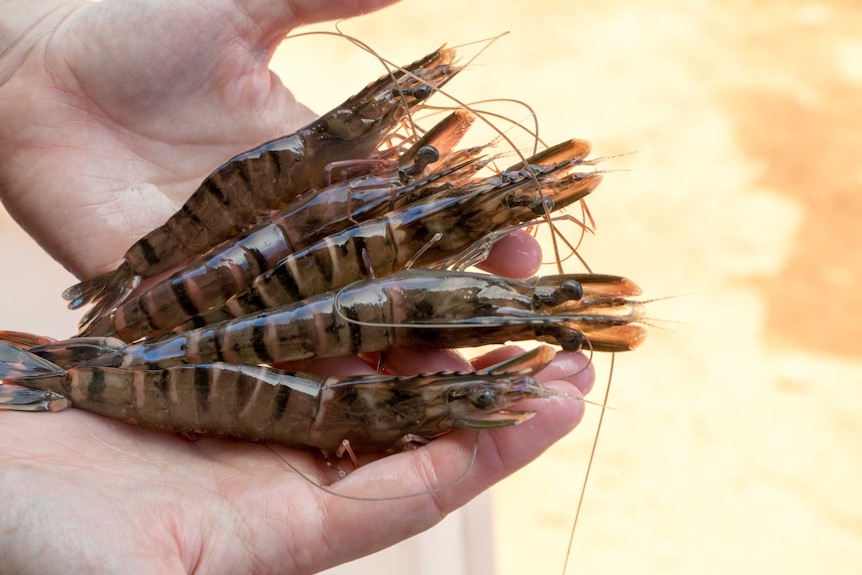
326, 211
422, 307
370, 413
613, 330
266, 178
426, 233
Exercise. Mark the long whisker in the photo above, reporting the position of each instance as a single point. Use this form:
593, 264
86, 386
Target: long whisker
589, 467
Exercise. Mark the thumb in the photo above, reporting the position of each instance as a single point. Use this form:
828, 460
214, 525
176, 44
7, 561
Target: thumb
272, 19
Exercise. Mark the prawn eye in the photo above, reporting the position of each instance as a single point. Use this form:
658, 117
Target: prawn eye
572, 290
569, 290
424, 156
420, 92
427, 154
572, 341
542, 206
483, 399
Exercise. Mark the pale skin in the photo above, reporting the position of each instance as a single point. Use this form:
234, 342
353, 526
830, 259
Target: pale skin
97, 101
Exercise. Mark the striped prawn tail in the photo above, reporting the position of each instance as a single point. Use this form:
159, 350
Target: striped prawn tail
26, 381
104, 291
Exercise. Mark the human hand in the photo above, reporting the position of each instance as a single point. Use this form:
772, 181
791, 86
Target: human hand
113, 112
99, 100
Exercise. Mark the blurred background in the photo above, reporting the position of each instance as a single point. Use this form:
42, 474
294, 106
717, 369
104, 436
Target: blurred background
735, 442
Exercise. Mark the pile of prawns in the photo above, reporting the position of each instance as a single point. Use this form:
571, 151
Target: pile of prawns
341, 238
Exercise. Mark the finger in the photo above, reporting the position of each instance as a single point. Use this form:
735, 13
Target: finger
272, 19
329, 367
432, 470
572, 367
495, 356
412, 361
516, 255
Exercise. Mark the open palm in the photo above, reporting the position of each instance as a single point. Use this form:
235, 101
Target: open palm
112, 113
94, 495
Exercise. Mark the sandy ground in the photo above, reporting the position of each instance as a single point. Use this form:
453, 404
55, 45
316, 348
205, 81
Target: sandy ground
735, 443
